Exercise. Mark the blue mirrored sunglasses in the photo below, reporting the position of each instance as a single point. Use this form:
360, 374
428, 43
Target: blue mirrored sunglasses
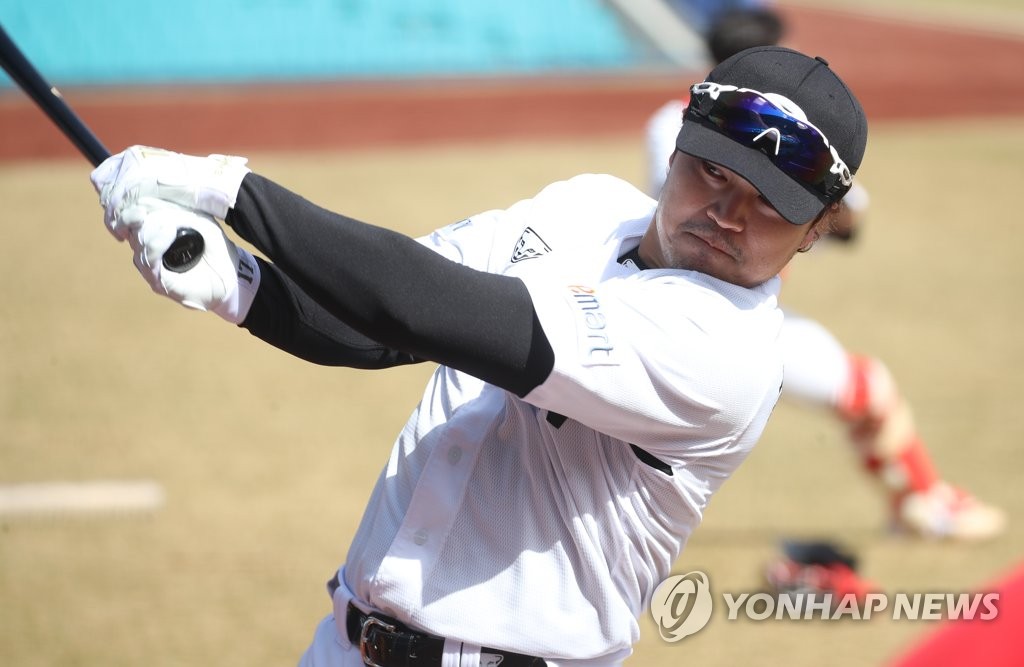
796, 146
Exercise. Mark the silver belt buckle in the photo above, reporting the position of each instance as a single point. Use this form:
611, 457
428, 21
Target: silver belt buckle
364, 634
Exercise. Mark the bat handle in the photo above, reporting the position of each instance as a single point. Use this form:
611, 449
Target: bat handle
185, 252
188, 246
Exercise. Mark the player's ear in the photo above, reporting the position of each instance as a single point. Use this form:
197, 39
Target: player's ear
812, 236
672, 158
818, 227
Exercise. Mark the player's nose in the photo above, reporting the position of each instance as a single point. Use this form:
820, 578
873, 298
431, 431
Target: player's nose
729, 211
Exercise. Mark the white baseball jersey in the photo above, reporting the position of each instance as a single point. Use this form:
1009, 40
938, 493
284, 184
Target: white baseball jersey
533, 524
660, 137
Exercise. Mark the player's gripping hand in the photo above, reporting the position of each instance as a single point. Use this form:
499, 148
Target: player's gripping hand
208, 184
224, 281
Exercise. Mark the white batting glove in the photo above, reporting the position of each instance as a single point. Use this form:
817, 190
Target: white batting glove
208, 184
224, 281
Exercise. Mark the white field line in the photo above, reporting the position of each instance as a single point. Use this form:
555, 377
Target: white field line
80, 498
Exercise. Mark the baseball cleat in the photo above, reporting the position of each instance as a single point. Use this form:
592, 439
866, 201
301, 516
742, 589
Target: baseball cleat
947, 512
816, 567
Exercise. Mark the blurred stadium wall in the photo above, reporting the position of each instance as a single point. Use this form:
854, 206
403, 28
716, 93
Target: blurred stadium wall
115, 42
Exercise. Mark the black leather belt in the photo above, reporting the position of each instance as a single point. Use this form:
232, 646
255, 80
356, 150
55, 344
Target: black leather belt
384, 642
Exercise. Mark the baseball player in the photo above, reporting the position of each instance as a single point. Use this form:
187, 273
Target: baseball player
858, 389
605, 361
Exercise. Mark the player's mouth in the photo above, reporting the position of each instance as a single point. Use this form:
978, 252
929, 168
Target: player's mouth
714, 243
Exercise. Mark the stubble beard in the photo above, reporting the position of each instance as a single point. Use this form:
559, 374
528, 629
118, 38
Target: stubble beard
670, 255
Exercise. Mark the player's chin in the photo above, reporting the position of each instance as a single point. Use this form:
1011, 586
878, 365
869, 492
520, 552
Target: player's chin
697, 255
729, 269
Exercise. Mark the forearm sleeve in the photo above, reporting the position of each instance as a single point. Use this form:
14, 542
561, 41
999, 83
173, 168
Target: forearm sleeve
287, 318
392, 290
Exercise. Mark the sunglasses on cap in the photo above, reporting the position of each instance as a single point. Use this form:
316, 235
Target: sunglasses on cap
796, 146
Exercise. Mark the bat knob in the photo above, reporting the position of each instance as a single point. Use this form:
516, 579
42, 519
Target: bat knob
185, 252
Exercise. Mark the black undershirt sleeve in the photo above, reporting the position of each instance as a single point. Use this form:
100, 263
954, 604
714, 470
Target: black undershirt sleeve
386, 287
287, 318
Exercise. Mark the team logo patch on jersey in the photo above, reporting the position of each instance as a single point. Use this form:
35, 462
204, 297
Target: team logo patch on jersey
529, 246
596, 346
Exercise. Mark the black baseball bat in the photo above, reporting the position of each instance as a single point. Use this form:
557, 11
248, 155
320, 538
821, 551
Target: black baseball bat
188, 246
